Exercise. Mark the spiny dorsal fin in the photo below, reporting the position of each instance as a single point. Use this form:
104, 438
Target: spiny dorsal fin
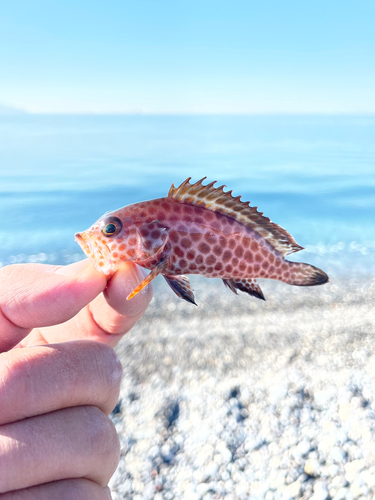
217, 200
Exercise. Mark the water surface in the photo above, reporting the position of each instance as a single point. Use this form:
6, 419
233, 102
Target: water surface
315, 176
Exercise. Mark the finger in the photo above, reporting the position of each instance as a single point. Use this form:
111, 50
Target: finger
77, 442
33, 295
46, 378
111, 311
82, 489
107, 318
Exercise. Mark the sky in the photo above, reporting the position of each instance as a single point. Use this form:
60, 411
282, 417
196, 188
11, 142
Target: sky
195, 57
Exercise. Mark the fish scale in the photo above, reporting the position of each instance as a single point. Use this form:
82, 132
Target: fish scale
197, 229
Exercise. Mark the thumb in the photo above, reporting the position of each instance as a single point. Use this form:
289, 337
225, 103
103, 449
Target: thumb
36, 295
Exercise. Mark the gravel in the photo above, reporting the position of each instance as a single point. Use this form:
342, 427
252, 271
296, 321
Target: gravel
244, 399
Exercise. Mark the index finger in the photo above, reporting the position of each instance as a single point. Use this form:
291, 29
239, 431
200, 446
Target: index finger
107, 318
36, 295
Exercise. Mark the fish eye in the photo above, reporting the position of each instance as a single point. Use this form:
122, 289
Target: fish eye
111, 226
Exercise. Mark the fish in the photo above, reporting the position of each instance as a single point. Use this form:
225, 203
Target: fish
197, 229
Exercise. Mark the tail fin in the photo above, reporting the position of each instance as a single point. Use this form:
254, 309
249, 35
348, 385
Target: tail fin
301, 274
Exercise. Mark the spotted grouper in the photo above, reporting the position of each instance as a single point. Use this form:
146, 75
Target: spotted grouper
197, 229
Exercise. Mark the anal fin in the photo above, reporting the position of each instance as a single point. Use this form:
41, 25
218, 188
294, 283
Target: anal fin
181, 287
245, 285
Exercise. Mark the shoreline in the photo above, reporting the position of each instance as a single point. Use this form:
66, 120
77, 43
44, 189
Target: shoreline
305, 321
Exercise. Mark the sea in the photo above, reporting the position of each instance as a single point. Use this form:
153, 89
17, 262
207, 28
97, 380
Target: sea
313, 175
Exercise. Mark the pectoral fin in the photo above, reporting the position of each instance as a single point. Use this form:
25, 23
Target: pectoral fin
245, 285
157, 270
181, 287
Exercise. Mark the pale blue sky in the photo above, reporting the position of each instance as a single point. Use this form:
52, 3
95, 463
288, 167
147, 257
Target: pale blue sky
196, 56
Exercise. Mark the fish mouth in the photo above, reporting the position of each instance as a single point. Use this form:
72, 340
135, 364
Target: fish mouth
99, 255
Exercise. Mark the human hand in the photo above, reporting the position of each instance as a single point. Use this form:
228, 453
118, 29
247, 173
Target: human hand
56, 440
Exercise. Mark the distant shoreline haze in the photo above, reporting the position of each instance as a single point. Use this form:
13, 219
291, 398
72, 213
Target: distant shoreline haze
6, 110
9, 110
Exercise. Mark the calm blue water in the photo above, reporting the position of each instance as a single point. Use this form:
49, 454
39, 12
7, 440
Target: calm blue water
315, 176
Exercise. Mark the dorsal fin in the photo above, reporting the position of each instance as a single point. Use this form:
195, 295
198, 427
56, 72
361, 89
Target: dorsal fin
217, 200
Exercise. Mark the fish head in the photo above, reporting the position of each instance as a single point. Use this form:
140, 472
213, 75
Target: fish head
109, 242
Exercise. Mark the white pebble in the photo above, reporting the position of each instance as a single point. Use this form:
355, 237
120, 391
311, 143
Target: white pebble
277, 393
192, 495
312, 467
202, 488
338, 454
211, 469
154, 451
352, 469
342, 494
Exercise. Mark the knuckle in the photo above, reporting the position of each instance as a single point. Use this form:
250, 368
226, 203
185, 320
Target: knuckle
102, 440
98, 371
108, 365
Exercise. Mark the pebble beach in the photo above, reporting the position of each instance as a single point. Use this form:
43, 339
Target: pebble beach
244, 399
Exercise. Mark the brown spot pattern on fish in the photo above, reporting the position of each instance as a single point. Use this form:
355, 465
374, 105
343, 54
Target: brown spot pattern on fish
197, 230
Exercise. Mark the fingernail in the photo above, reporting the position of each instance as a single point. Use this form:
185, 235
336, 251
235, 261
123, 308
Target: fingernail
139, 273
129, 269
73, 269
